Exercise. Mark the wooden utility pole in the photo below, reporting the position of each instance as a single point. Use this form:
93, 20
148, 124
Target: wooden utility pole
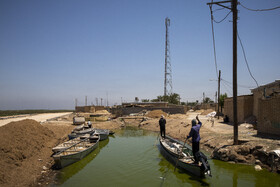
234, 64
86, 101
234, 78
219, 81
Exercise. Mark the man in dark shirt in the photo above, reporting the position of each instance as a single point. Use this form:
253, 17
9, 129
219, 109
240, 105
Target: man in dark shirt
162, 123
194, 134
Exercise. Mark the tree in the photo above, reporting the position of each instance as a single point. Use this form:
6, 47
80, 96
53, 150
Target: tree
173, 98
222, 101
207, 100
145, 100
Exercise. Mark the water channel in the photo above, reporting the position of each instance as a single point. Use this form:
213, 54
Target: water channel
132, 158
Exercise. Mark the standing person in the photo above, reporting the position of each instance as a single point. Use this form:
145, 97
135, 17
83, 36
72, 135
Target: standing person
162, 123
194, 134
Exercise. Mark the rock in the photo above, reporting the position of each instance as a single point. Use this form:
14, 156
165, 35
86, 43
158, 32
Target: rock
40, 159
259, 146
258, 168
45, 168
249, 126
257, 162
243, 149
42, 172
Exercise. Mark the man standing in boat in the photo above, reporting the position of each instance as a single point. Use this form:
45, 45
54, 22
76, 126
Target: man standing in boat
162, 123
194, 134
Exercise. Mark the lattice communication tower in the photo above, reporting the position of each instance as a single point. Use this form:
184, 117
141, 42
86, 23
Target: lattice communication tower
167, 71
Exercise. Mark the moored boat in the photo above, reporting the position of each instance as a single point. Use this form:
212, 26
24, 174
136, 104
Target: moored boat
103, 133
69, 143
173, 149
76, 152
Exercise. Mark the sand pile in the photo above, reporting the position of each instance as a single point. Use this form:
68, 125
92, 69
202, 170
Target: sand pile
103, 112
155, 114
19, 141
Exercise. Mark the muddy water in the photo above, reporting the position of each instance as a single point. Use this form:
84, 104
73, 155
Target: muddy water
132, 158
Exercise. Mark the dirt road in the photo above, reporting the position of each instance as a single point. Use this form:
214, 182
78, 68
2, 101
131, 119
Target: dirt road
37, 117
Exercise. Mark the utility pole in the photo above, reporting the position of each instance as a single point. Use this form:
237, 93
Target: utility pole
234, 67
203, 97
86, 101
219, 80
107, 99
96, 100
76, 102
233, 8
101, 100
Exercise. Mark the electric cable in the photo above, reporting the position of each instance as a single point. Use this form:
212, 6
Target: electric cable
213, 36
258, 10
218, 9
239, 85
246, 59
230, 93
222, 19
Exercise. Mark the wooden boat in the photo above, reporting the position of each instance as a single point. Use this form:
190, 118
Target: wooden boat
172, 149
77, 151
69, 143
103, 133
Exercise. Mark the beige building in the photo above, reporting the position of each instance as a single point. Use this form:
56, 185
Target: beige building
264, 104
263, 92
244, 107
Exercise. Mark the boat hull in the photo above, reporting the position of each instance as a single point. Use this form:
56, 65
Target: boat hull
62, 161
173, 158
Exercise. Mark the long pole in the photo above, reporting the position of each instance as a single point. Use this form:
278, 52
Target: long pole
234, 80
219, 80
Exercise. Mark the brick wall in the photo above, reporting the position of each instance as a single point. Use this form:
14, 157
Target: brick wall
244, 107
269, 116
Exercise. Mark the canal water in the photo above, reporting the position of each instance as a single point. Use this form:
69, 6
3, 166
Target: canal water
131, 158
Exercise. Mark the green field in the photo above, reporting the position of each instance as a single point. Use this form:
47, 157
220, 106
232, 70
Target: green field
19, 112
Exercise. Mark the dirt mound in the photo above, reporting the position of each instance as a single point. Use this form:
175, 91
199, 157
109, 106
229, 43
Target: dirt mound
155, 114
103, 112
19, 141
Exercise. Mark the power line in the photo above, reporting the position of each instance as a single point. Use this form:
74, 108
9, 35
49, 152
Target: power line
239, 85
218, 9
227, 88
222, 19
246, 59
258, 10
213, 36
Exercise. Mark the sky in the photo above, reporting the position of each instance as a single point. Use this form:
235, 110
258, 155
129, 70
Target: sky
55, 51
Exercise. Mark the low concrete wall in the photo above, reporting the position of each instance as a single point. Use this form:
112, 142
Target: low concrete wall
131, 110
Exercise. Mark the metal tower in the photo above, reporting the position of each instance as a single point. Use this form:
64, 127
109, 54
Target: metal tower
167, 72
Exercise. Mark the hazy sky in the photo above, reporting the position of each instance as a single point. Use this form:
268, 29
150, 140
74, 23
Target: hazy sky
54, 51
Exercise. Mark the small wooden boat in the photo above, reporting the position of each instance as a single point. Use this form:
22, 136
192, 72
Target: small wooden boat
69, 143
172, 149
103, 133
77, 151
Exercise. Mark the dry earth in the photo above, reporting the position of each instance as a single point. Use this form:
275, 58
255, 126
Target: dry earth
25, 146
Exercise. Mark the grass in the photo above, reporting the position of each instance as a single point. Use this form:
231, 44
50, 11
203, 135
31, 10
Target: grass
19, 112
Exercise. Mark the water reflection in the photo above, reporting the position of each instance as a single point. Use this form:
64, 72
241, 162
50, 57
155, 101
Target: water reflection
131, 131
167, 167
71, 170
